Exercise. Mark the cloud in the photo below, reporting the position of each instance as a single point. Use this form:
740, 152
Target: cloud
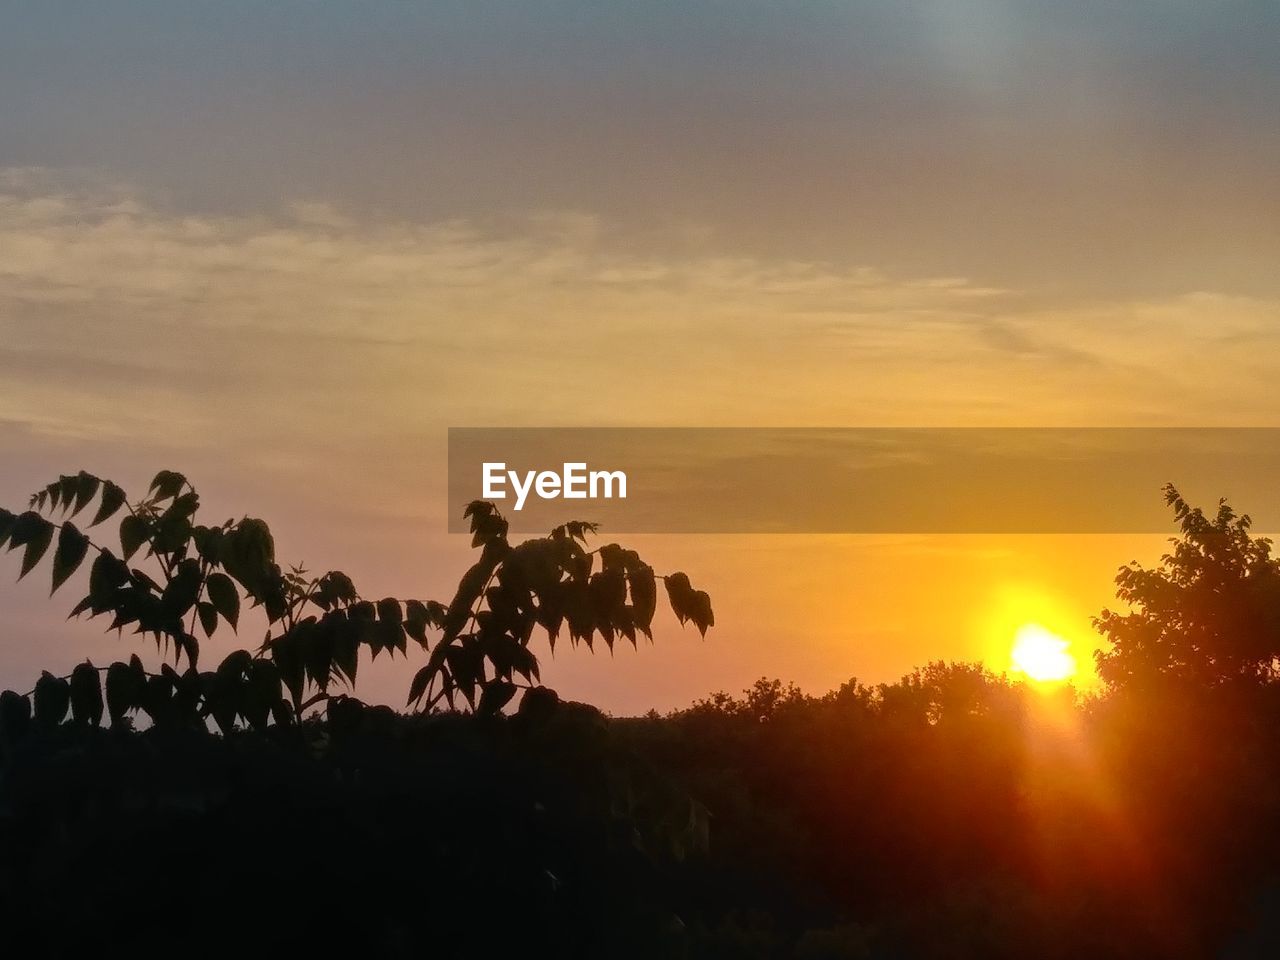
111, 249
128, 318
98, 284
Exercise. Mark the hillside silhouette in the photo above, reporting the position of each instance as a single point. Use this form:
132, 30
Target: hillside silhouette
259, 806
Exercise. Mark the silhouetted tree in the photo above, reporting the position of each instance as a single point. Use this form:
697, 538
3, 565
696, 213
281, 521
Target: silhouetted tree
1208, 614
189, 574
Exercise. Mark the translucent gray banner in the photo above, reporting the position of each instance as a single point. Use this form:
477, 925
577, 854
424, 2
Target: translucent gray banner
860, 480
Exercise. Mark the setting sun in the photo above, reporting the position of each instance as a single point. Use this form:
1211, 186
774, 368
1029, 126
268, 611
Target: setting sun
1042, 655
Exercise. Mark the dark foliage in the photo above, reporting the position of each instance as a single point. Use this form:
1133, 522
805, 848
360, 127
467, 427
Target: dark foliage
952, 814
477, 645
445, 835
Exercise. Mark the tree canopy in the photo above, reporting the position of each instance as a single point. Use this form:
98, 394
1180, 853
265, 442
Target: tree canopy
1208, 614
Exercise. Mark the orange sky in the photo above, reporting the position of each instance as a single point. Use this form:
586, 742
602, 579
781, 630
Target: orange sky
305, 369
284, 256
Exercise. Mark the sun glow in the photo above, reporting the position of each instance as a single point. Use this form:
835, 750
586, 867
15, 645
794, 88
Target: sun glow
1042, 655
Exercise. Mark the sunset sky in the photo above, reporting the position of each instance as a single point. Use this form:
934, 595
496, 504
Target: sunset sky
282, 247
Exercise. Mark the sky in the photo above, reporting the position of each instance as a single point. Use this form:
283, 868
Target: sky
282, 247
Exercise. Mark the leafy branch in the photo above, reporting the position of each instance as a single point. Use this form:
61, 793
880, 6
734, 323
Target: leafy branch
190, 574
547, 583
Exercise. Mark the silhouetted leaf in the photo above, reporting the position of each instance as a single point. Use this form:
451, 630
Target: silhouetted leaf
235, 664
7, 520
72, 545
286, 654
345, 644
335, 589
223, 697
123, 690
418, 686
85, 488
466, 666
682, 597
15, 716
644, 597
579, 611
317, 652
248, 549
208, 614
389, 610
525, 663
86, 695
107, 574
112, 501
134, 532
416, 620
52, 698
43, 498
224, 596
609, 591
189, 646
487, 524
208, 541
167, 484
67, 486
700, 612
181, 591
35, 534
183, 507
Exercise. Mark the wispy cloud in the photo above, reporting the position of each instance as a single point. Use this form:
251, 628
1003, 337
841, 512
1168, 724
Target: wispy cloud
313, 322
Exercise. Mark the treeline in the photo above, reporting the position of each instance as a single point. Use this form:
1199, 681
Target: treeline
956, 814
951, 814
